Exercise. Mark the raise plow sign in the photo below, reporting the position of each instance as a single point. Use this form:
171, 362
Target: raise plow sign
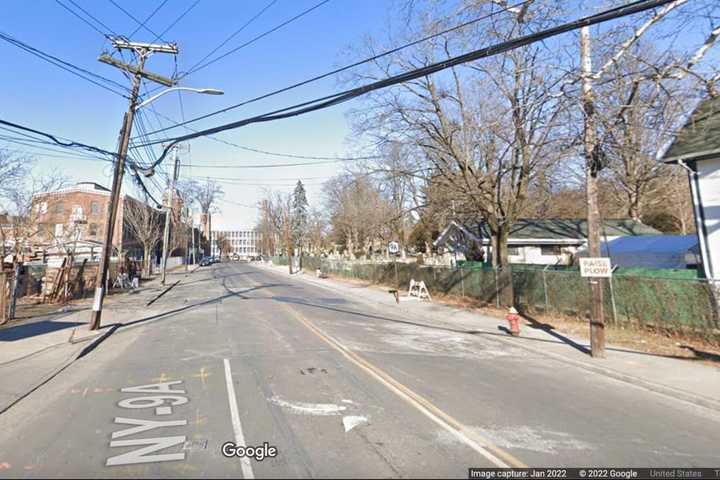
595, 267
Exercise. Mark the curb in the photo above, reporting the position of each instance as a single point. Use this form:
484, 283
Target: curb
95, 341
658, 388
665, 390
87, 349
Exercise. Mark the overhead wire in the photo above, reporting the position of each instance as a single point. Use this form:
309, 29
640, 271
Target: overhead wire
266, 152
148, 18
344, 68
174, 22
86, 21
91, 16
67, 66
233, 35
341, 97
131, 16
256, 38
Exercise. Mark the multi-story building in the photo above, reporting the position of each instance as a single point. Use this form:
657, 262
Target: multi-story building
243, 243
76, 216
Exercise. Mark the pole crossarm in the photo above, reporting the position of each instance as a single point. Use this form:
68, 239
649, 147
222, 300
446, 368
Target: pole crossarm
106, 58
123, 43
142, 51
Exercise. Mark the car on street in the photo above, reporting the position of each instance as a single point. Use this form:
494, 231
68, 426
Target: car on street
206, 261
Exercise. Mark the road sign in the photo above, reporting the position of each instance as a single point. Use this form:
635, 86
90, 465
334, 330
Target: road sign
595, 267
393, 247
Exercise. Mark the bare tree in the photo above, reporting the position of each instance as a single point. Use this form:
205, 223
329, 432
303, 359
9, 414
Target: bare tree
207, 194
224, 245
483, 131
145, 224
360, 216
24, 201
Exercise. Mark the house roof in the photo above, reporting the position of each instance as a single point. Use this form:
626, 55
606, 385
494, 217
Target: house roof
564, 230
699, 138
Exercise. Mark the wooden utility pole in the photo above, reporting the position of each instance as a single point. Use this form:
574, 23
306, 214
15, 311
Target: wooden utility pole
168, 215
143, 51
592, 169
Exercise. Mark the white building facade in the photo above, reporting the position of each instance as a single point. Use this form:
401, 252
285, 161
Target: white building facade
245, 243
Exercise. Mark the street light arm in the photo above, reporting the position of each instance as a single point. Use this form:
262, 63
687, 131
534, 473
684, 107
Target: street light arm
207, 91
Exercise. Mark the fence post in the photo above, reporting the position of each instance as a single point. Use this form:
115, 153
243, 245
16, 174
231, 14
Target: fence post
462, 281
3, 298
612, 295
14, 291
545, 289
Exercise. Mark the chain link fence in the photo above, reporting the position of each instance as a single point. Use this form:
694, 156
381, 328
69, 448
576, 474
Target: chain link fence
677, 305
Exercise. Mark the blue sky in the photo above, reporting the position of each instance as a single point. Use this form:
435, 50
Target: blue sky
48, 98
45, 97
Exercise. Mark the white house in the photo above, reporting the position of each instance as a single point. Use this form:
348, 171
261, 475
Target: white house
536, 241
697, 148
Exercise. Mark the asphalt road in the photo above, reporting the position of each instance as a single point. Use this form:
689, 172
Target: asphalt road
337, 388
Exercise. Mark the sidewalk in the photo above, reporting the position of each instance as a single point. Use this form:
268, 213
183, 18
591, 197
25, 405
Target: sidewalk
34, 350
678, 378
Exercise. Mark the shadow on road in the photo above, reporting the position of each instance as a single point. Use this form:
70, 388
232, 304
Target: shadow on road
558, 337
550, 330
218, 277
26, 330
184, 308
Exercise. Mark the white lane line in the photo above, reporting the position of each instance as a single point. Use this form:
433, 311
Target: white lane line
235, 417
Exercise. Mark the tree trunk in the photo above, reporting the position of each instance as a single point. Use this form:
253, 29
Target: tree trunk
502, 263
146, 261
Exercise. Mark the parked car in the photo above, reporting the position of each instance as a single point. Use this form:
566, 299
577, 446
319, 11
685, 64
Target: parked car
206, 261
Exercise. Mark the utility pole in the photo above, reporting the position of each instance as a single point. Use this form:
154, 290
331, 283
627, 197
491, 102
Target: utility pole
168, 215
192, 234
142, 51
592, 169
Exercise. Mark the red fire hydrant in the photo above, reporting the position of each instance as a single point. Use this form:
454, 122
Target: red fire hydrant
514, 320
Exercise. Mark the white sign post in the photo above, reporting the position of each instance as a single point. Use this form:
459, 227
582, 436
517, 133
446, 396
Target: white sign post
598, 267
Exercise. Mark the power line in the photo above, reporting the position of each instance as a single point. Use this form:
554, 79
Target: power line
265, 152
91, 16
174, 22
64, 142
91, 25
255, 39
275, 165
148, 19
55, 153
141, 24
239, 204
233, 35
341, 97
342, 69
56, 139
67, 66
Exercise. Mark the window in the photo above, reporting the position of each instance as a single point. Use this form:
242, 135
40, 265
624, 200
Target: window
550, 250
513, 250
59, 207
95, 208
42, 208
58, 230
92, 229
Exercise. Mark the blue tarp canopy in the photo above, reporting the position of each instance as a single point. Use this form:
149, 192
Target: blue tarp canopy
653, 251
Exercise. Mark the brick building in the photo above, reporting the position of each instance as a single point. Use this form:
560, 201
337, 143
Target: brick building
78, 215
